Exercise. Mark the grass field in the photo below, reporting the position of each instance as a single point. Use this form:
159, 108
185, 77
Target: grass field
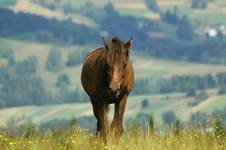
134, 139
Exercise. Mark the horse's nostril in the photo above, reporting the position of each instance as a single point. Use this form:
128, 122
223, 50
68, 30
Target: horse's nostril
110, 90
114, 93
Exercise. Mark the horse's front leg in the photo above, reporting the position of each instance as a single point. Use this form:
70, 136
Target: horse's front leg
100, 111
117, 123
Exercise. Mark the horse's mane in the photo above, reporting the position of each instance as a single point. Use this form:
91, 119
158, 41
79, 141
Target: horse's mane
115, 40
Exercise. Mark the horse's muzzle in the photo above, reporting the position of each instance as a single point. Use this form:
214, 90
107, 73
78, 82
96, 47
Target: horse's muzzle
114, 94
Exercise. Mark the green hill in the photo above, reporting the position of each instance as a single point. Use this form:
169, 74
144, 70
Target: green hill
145, 67
214, 13
158, 104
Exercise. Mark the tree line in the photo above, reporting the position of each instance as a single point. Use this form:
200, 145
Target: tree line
186, 83
44, 29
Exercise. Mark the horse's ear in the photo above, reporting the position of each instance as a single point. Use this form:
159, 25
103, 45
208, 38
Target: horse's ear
105, 44
128, 44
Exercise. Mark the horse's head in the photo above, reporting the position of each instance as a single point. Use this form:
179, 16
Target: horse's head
117, 58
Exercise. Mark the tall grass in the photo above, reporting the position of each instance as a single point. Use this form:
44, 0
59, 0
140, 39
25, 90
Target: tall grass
134, 139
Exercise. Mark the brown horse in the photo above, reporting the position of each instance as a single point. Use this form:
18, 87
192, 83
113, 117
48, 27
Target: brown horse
108, 77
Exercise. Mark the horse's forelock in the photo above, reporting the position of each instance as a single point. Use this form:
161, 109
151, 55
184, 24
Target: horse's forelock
116, 40
115, 52
116, 46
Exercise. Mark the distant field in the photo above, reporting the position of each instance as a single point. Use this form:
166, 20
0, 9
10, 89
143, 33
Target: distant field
158, 104
177, 102
23, 50
6, 3
220, 103
158, 68
214, 14
29, 6
145, 67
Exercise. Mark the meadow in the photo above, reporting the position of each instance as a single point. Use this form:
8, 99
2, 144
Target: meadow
133, 139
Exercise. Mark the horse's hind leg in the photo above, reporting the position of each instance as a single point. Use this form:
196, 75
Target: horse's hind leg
100, 112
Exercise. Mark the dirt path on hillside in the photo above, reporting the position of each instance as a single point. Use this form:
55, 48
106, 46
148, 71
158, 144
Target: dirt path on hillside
138, 5
201, 105
171, 2
224, 10
182, 101
52, 112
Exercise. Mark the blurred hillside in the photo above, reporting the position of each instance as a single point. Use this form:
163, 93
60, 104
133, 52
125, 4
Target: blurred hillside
179, 55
